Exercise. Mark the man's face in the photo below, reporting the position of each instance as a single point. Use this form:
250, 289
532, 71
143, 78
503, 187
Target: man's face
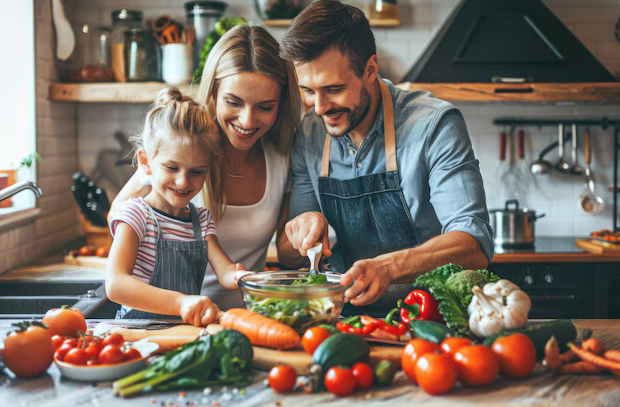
337, 94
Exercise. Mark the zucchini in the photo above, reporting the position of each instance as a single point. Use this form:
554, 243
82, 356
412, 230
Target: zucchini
430, 330
384, 372
563, 330
340, 350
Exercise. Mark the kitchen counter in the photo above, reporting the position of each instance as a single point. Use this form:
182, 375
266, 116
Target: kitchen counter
541, 389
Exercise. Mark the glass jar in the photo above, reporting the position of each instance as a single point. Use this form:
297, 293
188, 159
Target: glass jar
277, 9
383, 10
122, 20
202, 15
142, 55
91, 61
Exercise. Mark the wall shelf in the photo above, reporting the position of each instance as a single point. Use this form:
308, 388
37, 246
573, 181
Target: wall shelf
595, 92
102, 92
391, 22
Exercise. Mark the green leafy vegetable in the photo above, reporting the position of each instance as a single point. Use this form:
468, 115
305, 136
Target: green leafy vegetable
224, 358
453, 300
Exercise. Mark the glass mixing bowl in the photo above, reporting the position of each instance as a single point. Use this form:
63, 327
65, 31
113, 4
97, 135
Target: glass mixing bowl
298, 305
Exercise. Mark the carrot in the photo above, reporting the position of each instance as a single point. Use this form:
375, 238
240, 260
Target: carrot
568, 357
259, 329
580, 367
594, 358
613, 354
593, 345
552, 354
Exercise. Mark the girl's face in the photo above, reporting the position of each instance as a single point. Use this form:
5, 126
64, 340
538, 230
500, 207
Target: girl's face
246, 107
177, 175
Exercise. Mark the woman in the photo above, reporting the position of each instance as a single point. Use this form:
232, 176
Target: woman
253, 95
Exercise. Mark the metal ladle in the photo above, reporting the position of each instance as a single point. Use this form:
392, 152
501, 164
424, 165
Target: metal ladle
540, 165
590, 202
561, 165
575, 169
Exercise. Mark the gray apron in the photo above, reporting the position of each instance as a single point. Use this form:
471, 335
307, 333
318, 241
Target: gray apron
179, 266
369, 215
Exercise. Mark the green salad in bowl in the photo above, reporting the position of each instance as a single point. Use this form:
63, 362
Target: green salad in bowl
299, 299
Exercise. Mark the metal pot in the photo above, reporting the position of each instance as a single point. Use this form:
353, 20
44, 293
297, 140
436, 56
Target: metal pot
513, 226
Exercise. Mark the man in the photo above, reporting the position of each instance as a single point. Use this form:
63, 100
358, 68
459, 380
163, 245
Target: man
393, 172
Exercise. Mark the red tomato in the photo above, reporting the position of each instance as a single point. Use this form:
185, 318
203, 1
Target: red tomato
113, 339
436, 372
93, 349
64, 321
363, 374
131, 353
282, 378
516, 354
413, 350
57, 340
110, 354
451, 345
477, 365
339, 381
92, 362
313, 337
62, 351
72, 342
28, 351
77, 356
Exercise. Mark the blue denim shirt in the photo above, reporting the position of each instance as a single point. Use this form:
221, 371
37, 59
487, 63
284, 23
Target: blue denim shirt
439, 174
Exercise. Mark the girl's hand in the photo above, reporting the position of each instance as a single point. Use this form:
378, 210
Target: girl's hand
198, 310
240, 272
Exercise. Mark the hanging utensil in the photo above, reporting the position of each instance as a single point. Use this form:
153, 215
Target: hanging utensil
65, 39
561, 165
574, 169
525, 176
590, 202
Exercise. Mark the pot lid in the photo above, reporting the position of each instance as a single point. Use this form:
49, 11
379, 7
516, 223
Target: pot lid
512, 207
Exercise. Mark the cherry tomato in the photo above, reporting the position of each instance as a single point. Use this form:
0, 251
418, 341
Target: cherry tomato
477, 365
516, 354
72, 342
282, 378
363, 374
451, 345
64, 321
87, 251
313, 337
339, 381
28, 351
77, 356
57, 340
110, 354
131, 353
436, 372
113, 339
103, 251
413, 350
93, 349
61, 352
92, 362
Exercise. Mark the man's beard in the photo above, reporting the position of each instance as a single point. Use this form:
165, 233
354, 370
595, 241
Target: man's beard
359, 113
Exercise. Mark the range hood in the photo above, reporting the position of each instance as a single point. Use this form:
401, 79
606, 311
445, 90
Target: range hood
512, 41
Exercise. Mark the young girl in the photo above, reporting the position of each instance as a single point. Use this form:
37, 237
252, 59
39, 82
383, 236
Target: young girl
159, 255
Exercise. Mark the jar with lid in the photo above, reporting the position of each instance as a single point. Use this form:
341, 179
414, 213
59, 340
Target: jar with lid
91, 60
142, 55
202, 15
122, 20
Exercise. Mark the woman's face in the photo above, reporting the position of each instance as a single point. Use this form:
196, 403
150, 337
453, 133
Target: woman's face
246, 107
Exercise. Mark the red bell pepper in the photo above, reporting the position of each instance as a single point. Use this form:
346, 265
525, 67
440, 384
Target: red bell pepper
354, 326
419, 304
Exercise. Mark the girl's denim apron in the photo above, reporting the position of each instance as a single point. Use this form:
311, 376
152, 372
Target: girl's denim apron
179, 266
369, 214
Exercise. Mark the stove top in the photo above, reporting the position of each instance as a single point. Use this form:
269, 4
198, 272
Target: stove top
546, 244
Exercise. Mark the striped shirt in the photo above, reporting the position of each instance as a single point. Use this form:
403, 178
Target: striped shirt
135, 212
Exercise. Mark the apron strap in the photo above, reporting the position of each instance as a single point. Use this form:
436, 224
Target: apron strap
388, 130
193, 214
158, 229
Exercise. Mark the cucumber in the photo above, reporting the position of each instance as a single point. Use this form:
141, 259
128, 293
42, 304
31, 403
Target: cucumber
430, 330
340, 350
563, 330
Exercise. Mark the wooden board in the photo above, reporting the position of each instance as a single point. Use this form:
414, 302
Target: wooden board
597, 246
87, 261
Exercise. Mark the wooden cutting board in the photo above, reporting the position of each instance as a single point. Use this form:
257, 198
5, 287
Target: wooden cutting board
87, 261
597, 246
264, 358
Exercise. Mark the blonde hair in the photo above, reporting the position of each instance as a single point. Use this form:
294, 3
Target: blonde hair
252, 49
175, 119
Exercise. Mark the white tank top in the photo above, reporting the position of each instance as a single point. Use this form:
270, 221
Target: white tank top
245, 231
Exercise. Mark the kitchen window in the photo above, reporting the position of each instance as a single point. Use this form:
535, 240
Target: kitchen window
17, 104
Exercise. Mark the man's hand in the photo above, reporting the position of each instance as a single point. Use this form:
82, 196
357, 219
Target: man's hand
372, 278
305, 230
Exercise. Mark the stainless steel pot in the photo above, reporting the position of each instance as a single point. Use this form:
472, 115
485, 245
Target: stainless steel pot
513, 226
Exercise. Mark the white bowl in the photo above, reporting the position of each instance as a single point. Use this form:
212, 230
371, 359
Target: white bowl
103, 373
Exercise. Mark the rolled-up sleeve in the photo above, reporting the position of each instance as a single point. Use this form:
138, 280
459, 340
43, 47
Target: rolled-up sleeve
455, 182
303, 197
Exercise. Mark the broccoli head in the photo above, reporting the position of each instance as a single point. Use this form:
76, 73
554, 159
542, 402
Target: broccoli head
462, 282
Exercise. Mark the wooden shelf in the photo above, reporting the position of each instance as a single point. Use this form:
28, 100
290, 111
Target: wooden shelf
603, 92
392, 22
116, 92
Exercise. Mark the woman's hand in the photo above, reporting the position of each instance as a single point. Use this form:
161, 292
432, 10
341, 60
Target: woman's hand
197, 310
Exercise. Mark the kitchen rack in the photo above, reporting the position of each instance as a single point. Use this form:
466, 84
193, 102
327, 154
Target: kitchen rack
604, 123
